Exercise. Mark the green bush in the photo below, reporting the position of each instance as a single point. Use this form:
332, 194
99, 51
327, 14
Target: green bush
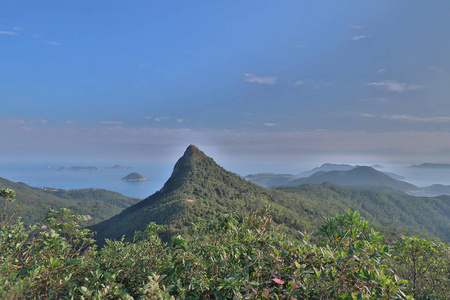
229, 258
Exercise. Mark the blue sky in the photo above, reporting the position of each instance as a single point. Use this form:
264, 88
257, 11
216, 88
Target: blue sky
264, 84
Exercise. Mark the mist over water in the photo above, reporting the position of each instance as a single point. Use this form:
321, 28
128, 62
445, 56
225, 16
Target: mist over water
37, 175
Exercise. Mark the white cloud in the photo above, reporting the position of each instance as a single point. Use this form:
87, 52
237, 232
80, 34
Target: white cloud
357, 26
437, 69
182, 120
159, 119
366, 115
110, 122
261, 80
17, 28
358, 37
315, 84
395, 86
270, 124
418, 119
382, 70
69, 122
8, 32
52, 43
379, 100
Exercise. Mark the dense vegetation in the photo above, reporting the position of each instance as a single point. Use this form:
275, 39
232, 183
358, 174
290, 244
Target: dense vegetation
201, 188
98, 204
229, 258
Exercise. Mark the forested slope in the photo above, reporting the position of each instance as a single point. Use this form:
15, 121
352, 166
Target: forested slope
34, 202
199, 187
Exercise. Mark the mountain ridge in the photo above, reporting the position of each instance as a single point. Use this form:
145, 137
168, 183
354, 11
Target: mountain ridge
199, 188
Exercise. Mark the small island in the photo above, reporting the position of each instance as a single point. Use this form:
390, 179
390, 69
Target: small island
134, 177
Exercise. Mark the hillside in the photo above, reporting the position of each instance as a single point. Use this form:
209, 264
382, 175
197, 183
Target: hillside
34, 202
389, 210
198, 187
270, 179
357, 176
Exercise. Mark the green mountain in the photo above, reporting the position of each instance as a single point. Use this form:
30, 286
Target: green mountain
358, 176
96, 204
388, 209
270, 179
198, 187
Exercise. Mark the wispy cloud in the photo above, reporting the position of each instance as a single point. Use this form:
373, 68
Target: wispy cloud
40, 38
17, 28
300, 46
8, 32
418, 119
366, 115
395, 86
179, 120
51, 43
357, 26
379, 100
270, 124
382, 70
249, 77
69, 122
315, 84
159, 119
436, 69
358, 37
110, 122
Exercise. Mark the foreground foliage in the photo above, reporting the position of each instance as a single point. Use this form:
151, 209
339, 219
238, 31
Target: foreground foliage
229, 258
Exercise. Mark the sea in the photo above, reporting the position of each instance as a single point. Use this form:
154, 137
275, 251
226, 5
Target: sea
47, 174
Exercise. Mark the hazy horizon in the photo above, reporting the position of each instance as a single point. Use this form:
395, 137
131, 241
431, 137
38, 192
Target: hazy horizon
257, 85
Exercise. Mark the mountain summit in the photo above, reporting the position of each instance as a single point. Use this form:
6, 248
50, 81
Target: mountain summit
198, 187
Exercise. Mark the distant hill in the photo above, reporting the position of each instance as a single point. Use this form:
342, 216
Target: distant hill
198, 187
432, 190
98, 204
356, 176
91, 168
270, 179
343, 167
134, 177
431, 166
327, 167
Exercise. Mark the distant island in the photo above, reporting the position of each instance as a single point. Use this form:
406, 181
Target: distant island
134, 177
91, 168
431, 166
